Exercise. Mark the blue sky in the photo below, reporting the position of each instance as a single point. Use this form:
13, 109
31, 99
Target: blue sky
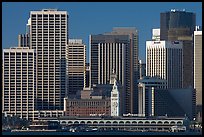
87, 18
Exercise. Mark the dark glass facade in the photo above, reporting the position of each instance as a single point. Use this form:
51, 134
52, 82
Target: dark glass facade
174, 20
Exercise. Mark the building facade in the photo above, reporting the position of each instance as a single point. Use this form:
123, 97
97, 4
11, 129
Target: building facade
146, 87
76, 65
176, 23
48, 36
142, 66
116, 50
87, 107
198, 70
23, 40
115, 100
19, 82
156, 34
175, 102
164, 59
180, 25
87, 73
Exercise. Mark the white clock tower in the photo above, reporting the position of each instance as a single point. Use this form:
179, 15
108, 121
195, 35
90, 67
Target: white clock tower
115, 107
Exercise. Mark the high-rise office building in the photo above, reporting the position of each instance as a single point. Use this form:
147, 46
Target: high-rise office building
118, 51
23, 40
76, 65
176, 23
198, 69
19, 82
146, 87
180, 25
164, 60
48, 36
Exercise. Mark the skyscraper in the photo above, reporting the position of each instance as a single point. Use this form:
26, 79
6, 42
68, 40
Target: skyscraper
48, 36
180, 25
198, 69
19, 82
175, 23
164, 60
118, 51
76, 65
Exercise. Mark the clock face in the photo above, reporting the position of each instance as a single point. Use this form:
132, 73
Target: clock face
115, 104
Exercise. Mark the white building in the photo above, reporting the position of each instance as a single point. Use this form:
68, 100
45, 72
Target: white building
19, 82
164, 60
49, 36
156, 34
115, 100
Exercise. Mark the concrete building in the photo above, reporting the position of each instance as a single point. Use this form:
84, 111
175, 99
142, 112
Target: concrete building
116, 50
76, 65
146, 86
175, 102
19, 82
180, 25
164, 60
142, 69
87, 73
198, 71
23, 40
156, 34
138, 124
156, 100
49, 36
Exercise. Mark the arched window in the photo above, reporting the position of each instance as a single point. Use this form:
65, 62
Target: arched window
134, 122
115, 122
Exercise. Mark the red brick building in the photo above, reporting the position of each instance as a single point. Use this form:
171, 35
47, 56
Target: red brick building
87, 107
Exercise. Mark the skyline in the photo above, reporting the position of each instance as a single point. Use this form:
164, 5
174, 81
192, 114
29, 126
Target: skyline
96, 21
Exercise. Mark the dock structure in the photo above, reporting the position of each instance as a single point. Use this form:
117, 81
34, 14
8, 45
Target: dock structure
124, 123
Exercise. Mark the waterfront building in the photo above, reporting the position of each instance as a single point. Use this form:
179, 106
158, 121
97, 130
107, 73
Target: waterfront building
76, 65
198, 71
49, 36
141, 124
180, 25
146, 87
116, 50
94, 101
155, 99
19, 82
175, 102
164, 59
115, 100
